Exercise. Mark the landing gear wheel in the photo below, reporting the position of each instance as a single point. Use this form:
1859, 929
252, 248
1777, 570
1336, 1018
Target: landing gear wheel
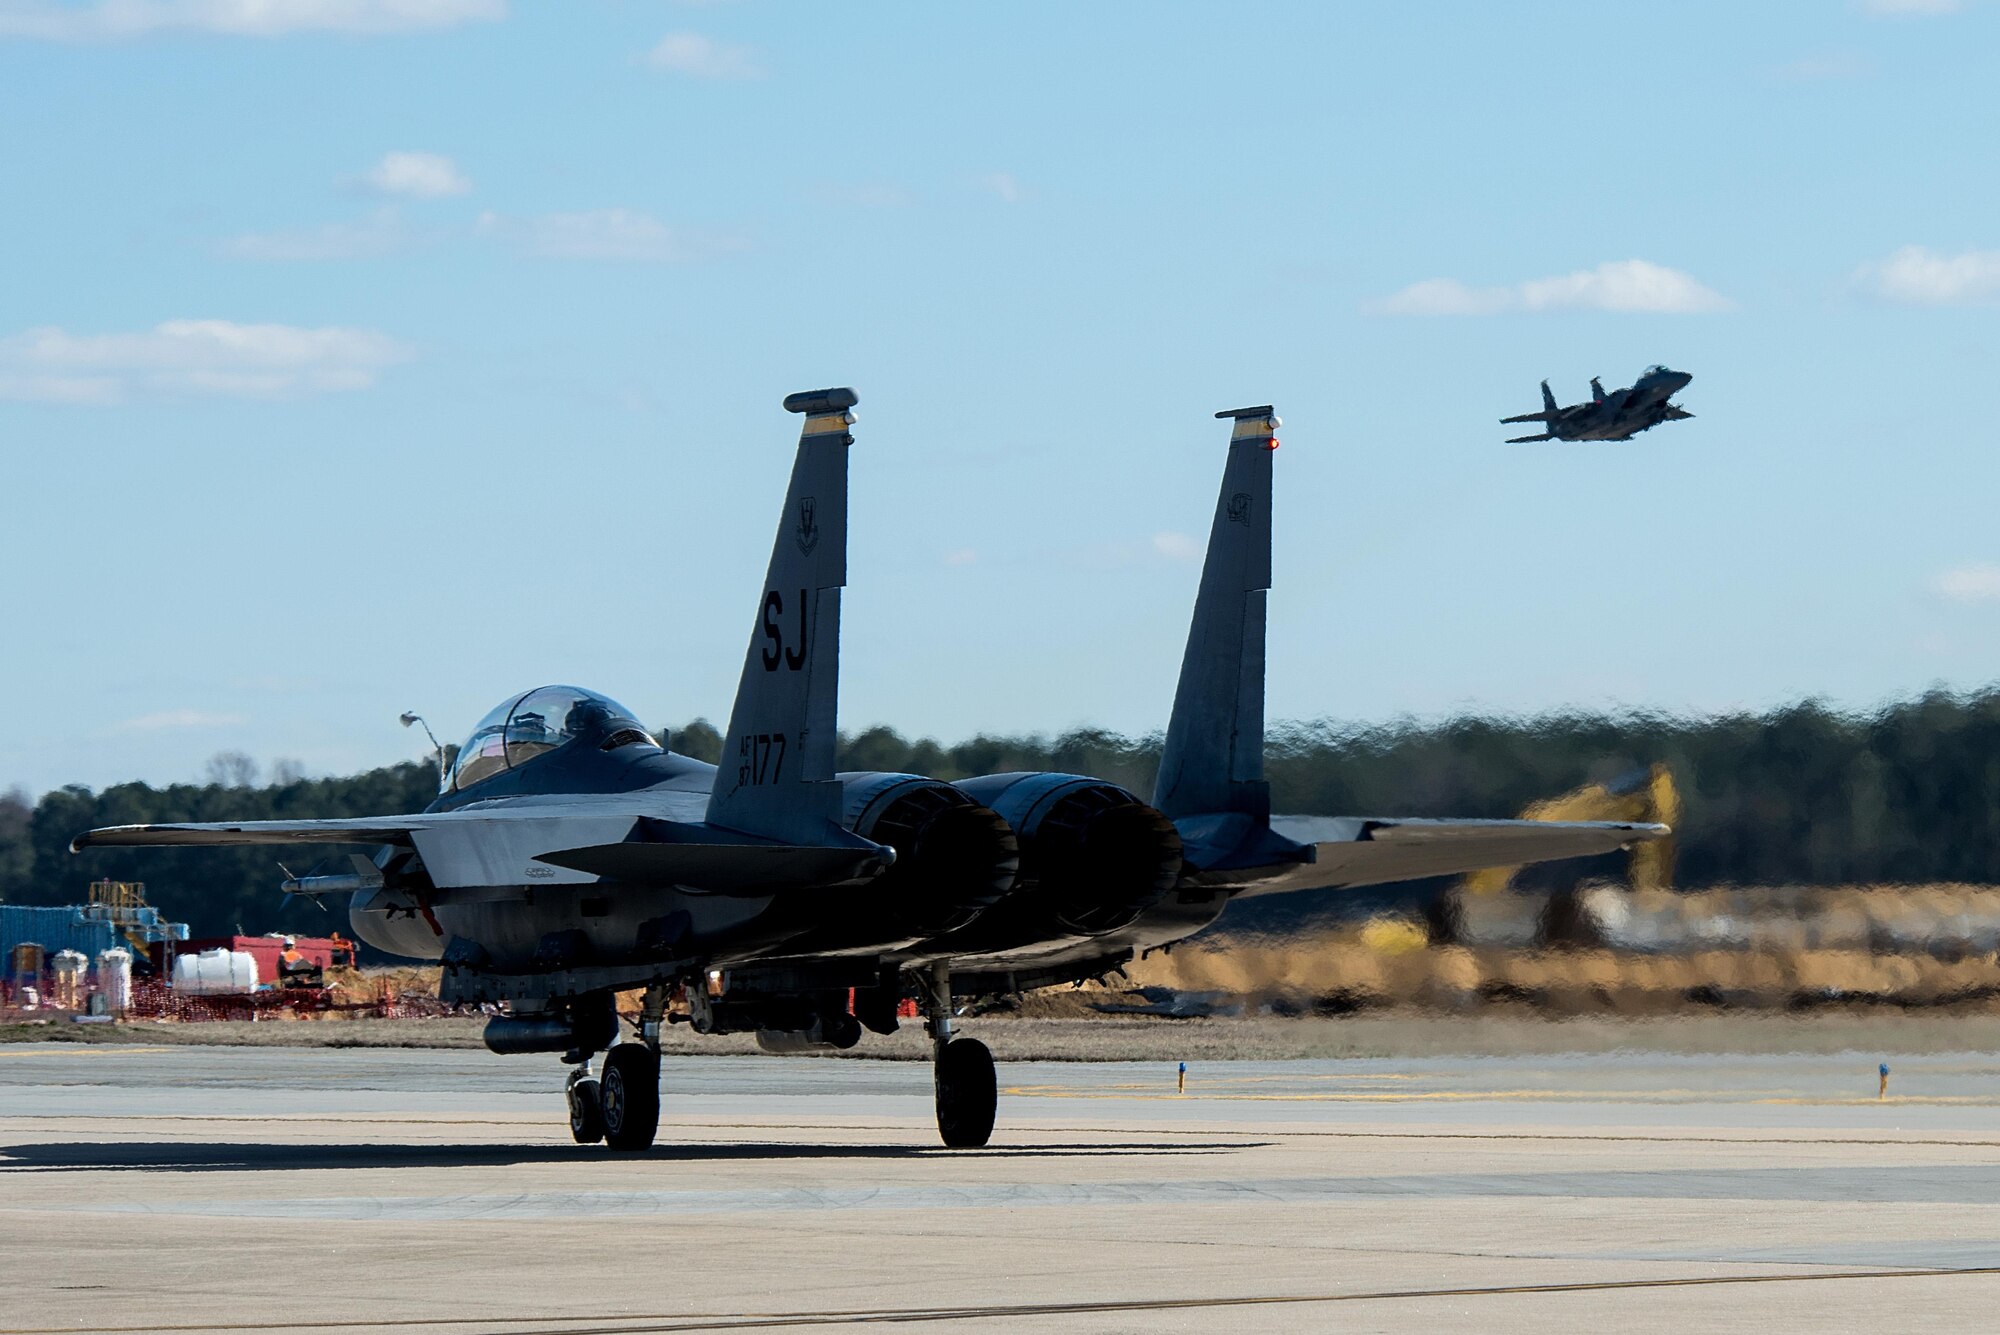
967, 1094
586, 1111
630, 1094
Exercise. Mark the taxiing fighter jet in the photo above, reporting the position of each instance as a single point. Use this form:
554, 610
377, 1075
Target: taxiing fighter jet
571, 855
1619, 415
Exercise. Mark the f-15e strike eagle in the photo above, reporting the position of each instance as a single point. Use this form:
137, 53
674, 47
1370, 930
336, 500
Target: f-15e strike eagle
571, 855
1619, 415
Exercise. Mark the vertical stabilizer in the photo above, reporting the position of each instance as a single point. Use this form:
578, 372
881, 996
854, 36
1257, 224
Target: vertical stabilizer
1548, 400
1213, 760
776, 775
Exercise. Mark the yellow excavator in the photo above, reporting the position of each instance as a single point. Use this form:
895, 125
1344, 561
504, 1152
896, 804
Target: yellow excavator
1482, 905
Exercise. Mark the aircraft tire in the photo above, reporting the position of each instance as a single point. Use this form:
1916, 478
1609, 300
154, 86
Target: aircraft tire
630, 1095
586, 1112
968, 1094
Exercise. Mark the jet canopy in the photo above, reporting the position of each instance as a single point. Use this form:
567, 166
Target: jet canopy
538, 721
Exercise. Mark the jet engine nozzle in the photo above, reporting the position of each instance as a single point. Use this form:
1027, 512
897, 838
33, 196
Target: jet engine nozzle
954, 857
1093, 856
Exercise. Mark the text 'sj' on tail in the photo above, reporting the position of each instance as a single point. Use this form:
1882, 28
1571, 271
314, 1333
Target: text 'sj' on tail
776, 776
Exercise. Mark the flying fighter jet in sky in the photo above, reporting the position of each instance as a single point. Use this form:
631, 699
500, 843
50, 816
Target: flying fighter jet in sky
572, 855
1619, 415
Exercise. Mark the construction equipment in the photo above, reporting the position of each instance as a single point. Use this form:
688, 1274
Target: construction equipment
123, 905
1484, 907
1645, 794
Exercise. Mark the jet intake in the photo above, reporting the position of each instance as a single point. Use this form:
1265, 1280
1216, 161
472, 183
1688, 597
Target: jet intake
1093, 856
954, 857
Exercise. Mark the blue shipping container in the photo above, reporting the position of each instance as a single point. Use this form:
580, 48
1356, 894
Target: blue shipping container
61, 928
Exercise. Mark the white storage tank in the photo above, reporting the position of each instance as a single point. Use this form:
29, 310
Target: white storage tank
67, 966
114, 979
215, 972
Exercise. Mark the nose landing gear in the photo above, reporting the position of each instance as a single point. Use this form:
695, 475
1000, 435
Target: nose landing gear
586, 1106
967, 1087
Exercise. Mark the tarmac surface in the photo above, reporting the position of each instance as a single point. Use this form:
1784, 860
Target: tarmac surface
315, 1190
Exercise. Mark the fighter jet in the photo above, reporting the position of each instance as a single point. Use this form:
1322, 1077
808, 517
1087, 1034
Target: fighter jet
572, 854
1619, 415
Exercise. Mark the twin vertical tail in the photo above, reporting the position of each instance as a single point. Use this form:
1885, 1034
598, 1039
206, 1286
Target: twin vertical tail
776, 776
1549, 399
1213, 759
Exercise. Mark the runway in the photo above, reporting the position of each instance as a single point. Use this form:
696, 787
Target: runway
300, 1190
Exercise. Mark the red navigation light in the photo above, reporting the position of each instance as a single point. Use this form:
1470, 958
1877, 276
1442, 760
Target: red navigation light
1271, 444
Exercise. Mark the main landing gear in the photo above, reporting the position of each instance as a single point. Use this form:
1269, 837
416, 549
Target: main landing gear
631, 1096
968, 1092
621, 1107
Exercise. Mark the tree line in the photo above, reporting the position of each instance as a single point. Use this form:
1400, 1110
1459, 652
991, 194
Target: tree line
1801, 794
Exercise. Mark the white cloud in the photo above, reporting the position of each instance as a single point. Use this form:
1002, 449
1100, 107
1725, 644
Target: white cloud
703, 57
1903, 9
179, 718
383, 233
1921, 277
1176, 546
417, 176
216, 357
1625, 286
607, 234
118, 20
964, 556
1978, 582
1002, 186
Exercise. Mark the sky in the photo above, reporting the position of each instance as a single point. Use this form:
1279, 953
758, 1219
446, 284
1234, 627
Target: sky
361, 356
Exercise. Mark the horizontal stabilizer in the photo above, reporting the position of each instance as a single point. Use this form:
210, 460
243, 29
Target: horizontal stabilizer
1354, 851
1531, 417
1522, 440
1674, 414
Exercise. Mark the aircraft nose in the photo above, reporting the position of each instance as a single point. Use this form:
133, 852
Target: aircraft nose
1680, 380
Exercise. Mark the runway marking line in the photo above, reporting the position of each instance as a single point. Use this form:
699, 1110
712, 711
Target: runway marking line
1253, 1136
1654, 1096
666, 1323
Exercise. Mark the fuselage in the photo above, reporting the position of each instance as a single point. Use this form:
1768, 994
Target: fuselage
1623, 413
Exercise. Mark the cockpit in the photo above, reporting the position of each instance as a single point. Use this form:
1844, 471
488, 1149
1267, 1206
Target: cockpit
536, 722
1653, 370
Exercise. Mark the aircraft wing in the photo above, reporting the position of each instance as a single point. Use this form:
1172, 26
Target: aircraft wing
357, 830
547, 844
1354, 851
